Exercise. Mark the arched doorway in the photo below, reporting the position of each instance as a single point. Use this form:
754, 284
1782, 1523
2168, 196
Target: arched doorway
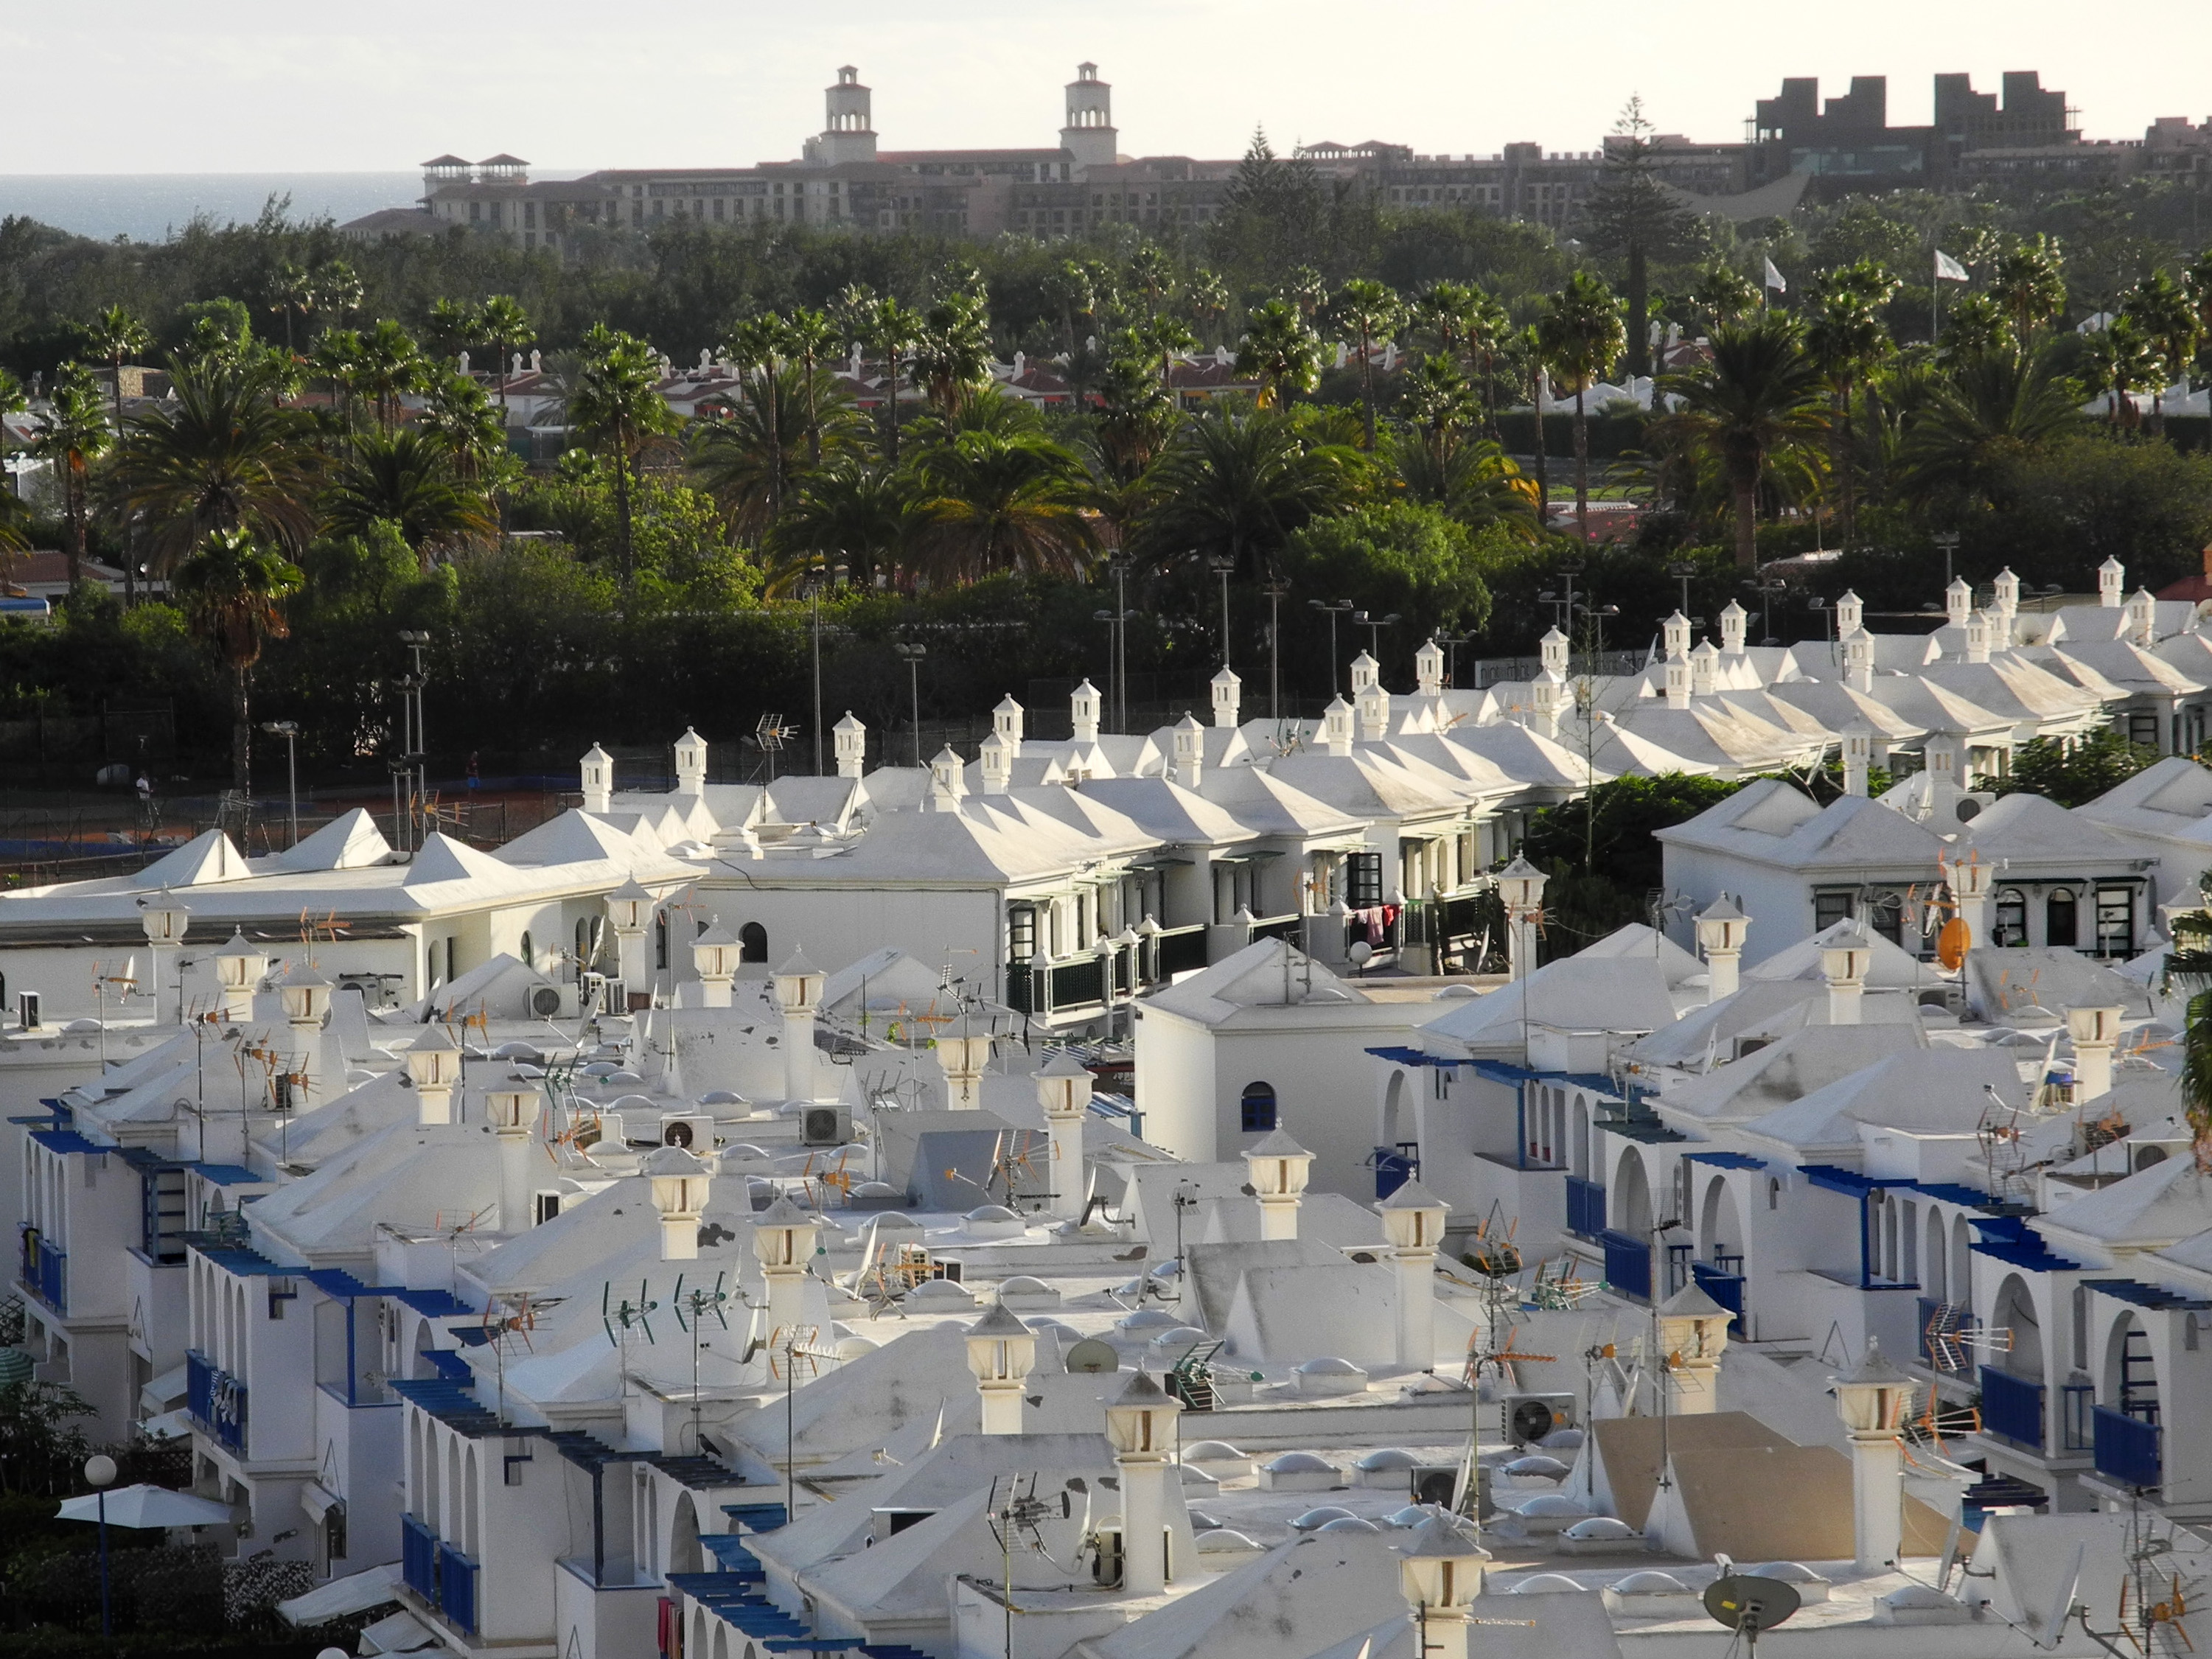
1720, 1227
752, 942
1630, 1203
1397, 1126
2129, 1383
684, 1553
2015, 1312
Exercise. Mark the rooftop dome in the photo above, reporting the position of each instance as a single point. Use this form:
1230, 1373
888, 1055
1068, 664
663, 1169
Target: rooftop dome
1549, 1468
1176, 1336
1915, 1597
1388, 1457
1546, 1584
1350, 1523
1299, 1462
1149, 1319
1023, 1285
1314, 1519
1220, 1540
1548, 1504
1211, 1451
1600, 1527
1650, 1584
1411, 1516
1789, 1572
1329, 1365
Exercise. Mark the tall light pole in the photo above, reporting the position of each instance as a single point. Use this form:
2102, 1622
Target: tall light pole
1948, 541
1341, 608
289, 731
100, 1472
1767, 591
1373, 625
1682, 570
911, 655
418, 750
1222, 565
1451, 643
1275, 588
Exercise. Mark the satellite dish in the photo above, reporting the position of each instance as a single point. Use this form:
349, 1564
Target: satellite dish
1953, 942
1092, 1355
1749, 1605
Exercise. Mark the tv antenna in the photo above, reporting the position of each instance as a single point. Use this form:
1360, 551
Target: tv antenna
771, 734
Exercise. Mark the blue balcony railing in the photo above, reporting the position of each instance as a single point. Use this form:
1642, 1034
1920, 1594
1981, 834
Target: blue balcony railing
418, 1558
45, 1270
2127, 1449
1725, 1288
1585, 1207
216, 1403
2012, 1407
457, 1589
1627, 1263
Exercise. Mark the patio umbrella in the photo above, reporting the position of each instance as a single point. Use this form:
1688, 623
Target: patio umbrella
143, 1506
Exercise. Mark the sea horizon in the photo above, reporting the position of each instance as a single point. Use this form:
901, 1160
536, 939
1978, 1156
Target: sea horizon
151, 207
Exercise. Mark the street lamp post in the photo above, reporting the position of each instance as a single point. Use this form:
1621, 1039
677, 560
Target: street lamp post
1222, 565
100, 1472
1275, 588
1373, 625
289, 731
1682, 570
1451, 643
1340, 608
419, 746
1948, 541
1766, 590
912, 654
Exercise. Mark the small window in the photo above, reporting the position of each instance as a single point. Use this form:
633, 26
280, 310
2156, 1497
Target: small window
2061, 923
1258, 1108
2116, 921
1021, 932
544, 1207
2012, 919
1362, 880
1829, 909
752, 942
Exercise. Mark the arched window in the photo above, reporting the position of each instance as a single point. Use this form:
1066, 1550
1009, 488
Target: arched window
529, 952
2012, 918
661, 940
2061, 923
752, 942
1258, 1107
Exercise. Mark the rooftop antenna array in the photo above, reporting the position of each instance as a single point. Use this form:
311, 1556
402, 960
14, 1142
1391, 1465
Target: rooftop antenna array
771, 734
693, 1308
619, 1319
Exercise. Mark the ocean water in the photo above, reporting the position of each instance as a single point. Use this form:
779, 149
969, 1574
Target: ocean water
147, 207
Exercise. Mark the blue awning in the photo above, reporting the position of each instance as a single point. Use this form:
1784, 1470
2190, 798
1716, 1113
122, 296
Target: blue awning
68, 1141
1399, 1056
432, 1304
2145, 1296
1726, 1160
231, 1174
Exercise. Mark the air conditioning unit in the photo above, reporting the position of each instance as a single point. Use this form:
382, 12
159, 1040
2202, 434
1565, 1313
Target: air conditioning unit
1528, 1418
693, 1131
1435, 1483
552, 1002
1106, 1569
825, 1126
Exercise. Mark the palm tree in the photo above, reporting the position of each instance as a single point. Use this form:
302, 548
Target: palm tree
953, 359
294, 291
757, 347
616, 406
216, 455
1476, 483
988, 503
1847, 339
1280, 350
2029, 281
116, 336
1725, 295
391, 365
14, 515
806, 337
451, 326
2164, 312
1978, 324
1368, 309
1439, 404
2121, 363
1237, 484
506, 327
1580, 335
747, 454
1760, 394
73, 434
890, 331
850, 514
1988, 410
406, 479
340, 356
233, 590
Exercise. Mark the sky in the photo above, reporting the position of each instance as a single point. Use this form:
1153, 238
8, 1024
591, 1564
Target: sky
134, 86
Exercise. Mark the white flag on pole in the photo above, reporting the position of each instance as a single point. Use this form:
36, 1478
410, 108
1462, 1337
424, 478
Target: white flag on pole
1948, 269
1776, 280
